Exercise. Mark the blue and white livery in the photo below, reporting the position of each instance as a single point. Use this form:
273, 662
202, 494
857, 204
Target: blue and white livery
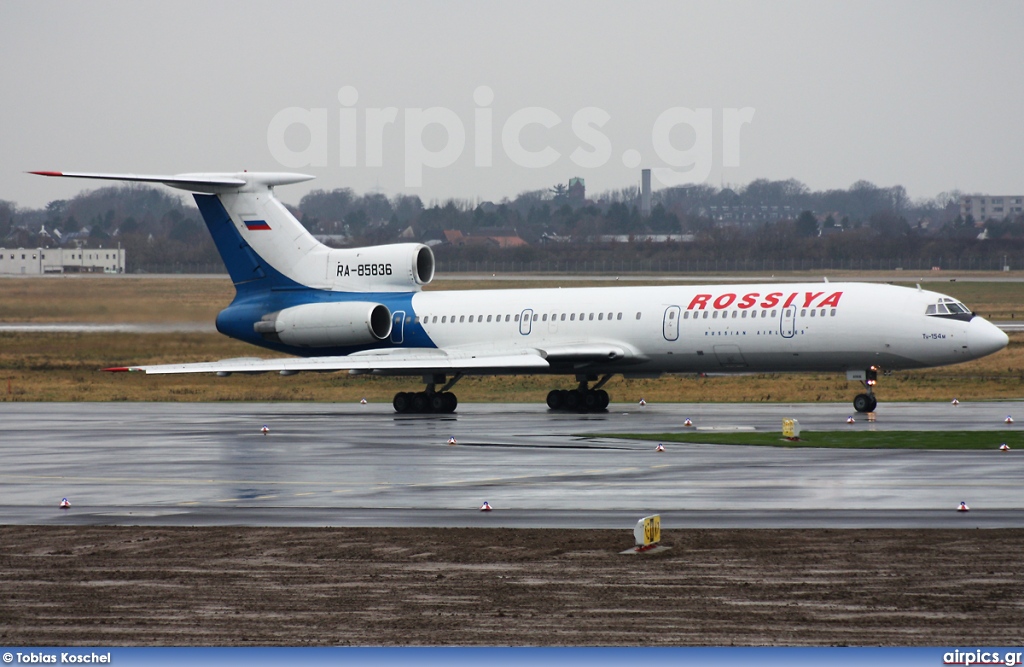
363, 311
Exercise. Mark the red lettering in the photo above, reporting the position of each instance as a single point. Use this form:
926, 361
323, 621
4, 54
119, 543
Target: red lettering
700, 301
831, 300
725, 300
790, 300
810, 296
748, 300
771, 300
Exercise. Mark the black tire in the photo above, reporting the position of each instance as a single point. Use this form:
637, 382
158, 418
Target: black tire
864, 403
450, 401
874, 404
604, 399
572, 400
420, 402
402, 402
438, 403
591, 401
556, 399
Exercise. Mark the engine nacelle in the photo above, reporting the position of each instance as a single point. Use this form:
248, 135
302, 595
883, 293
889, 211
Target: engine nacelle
398, 267
327, 324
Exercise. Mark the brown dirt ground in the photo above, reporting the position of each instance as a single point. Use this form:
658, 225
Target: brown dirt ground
391, 586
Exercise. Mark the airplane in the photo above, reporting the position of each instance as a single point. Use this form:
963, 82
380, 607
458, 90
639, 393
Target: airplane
363, 310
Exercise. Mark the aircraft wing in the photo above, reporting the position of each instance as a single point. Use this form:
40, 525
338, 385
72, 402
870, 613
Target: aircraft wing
397, 362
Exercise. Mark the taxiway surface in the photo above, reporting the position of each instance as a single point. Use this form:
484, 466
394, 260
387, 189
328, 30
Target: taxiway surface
363, 465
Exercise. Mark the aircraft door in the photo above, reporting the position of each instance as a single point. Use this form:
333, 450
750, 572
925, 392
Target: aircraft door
670, 325
788, 326
526, 322
398, 327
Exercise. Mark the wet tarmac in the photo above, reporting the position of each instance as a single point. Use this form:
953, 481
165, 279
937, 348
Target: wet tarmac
363, 465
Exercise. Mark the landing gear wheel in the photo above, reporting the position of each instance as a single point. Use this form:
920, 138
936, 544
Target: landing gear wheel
450, 402
603, 399
402, 402
437, 403
591, 401
572, 400
420, 402
864, 403
556, 399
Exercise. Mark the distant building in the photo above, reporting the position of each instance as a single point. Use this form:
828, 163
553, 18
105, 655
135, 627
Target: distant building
39, 261
991, 207
577, 192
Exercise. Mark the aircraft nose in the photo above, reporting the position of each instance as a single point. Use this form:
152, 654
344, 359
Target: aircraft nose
984, 338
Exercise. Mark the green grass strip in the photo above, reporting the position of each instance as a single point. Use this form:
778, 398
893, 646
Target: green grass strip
843, 439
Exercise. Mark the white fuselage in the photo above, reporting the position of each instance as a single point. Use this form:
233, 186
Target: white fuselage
721, 328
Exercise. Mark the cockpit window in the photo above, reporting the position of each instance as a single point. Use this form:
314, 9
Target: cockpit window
949, 308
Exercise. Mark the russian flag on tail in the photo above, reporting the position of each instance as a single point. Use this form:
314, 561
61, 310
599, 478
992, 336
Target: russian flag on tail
256, 225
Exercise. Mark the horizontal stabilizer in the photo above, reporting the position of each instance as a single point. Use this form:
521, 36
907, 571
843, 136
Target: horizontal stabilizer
211, 183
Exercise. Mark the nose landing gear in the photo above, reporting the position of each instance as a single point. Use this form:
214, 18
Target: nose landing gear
865, 402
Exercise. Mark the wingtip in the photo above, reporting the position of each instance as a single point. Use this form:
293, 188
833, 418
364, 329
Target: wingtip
47, 173
119, 369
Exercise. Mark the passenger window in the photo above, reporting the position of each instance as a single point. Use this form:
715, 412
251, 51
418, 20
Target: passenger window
470, 319
563, 317
572, 317
705, 314
506, 318
638, 316
489, 317
686, 314
833, 312
735, 313
591, 317
434, 320
813, 312
744, 314
535, 316
545, 318
609, 316
773, 313
480, 318
517, 318
600, 316
619, 317
671, 314
443, 318
714, 315
803, 312
462, 318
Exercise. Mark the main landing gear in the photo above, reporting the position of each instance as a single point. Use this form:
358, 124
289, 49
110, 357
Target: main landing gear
430, 400
581, 399
867, 402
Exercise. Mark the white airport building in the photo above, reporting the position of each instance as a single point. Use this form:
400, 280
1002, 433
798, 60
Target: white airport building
39, 261
991, 207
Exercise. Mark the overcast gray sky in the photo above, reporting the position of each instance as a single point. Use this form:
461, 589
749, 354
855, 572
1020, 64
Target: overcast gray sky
924, 94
